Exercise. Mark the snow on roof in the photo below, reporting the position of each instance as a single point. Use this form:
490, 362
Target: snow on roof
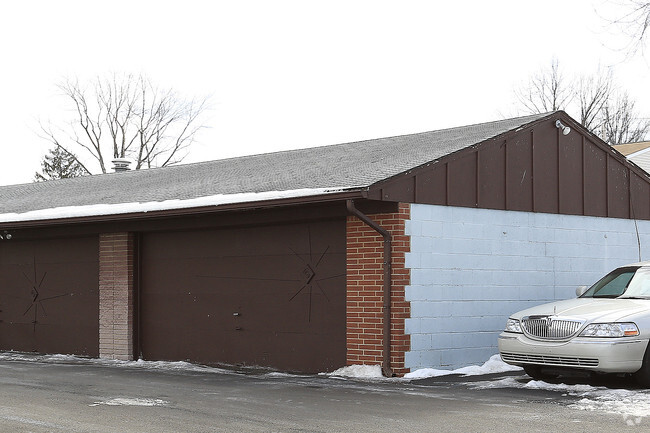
294, 173
136, 207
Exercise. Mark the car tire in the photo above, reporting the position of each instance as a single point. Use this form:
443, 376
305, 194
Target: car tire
642, 376
535, 371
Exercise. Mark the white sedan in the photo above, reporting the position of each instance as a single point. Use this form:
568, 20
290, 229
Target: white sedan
606, 329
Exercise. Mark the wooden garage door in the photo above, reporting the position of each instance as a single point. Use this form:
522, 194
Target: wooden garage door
49, 300
261, 296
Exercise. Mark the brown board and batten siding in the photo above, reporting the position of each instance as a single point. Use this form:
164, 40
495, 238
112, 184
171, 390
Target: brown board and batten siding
534, 169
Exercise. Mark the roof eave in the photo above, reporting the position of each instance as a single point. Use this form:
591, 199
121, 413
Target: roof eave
190, 211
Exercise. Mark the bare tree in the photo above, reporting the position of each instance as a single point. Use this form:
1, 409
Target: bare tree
620, 122
607, 114
548, 90
592, 92
545, 91
633, 21
126, 116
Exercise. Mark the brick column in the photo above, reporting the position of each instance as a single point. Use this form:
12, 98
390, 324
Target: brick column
116, 286
365, 290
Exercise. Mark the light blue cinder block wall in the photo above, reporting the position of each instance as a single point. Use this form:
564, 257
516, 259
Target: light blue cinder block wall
472, 268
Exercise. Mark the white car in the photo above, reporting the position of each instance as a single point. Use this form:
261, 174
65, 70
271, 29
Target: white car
606, 329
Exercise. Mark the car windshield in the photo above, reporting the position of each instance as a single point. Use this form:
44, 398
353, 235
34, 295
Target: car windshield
628, 282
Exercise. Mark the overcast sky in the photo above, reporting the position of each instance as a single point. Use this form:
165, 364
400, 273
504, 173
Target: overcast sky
293, 74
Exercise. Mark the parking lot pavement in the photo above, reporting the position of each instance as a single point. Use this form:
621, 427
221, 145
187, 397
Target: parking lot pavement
53, 394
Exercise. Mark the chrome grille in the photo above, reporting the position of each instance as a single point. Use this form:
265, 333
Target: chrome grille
567, 361
549, 328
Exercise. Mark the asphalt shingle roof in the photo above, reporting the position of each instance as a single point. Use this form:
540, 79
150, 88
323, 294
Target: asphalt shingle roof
351, 165
630, 148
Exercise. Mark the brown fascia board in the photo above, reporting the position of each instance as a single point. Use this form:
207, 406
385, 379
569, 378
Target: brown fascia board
375, 188
160, 214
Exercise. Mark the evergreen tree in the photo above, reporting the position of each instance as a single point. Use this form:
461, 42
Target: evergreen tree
59, 164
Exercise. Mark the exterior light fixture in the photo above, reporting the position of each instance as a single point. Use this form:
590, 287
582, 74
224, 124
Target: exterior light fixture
565, 129
5, 235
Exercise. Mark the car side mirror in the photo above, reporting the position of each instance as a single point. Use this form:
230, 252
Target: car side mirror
581, 290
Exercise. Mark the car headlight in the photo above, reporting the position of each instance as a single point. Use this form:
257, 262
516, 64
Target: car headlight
513, 325
610, 330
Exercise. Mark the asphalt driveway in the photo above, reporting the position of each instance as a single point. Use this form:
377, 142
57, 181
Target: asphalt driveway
71, 395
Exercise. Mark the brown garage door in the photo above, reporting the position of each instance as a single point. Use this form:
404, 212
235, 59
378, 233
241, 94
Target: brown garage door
269, 296
49, 299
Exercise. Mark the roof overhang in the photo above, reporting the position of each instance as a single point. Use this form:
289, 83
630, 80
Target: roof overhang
175, 208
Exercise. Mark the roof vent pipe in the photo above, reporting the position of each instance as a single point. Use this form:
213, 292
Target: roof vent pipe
121, 164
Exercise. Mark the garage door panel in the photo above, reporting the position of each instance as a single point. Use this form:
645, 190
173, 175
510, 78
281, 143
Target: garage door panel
254, 296
49, 296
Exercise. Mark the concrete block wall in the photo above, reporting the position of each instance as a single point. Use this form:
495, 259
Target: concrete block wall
364, 302
116, 302
471, 268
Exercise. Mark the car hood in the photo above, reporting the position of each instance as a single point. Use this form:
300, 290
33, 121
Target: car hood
589, 309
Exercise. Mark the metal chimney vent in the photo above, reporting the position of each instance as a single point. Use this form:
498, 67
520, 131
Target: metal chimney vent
121, 164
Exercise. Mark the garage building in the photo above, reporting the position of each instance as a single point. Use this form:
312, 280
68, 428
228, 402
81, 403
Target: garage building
407, 251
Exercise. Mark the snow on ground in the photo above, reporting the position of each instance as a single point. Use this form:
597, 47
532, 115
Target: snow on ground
516, 382
633, 404
358, 372
150, 365
492, 365
125, 401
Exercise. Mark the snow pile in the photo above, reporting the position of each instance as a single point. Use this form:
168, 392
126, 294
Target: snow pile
123, 401
283, 375
492, 365
358, 371
513, 382
561, 387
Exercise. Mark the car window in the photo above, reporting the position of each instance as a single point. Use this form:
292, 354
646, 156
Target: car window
639, 286
611, 285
